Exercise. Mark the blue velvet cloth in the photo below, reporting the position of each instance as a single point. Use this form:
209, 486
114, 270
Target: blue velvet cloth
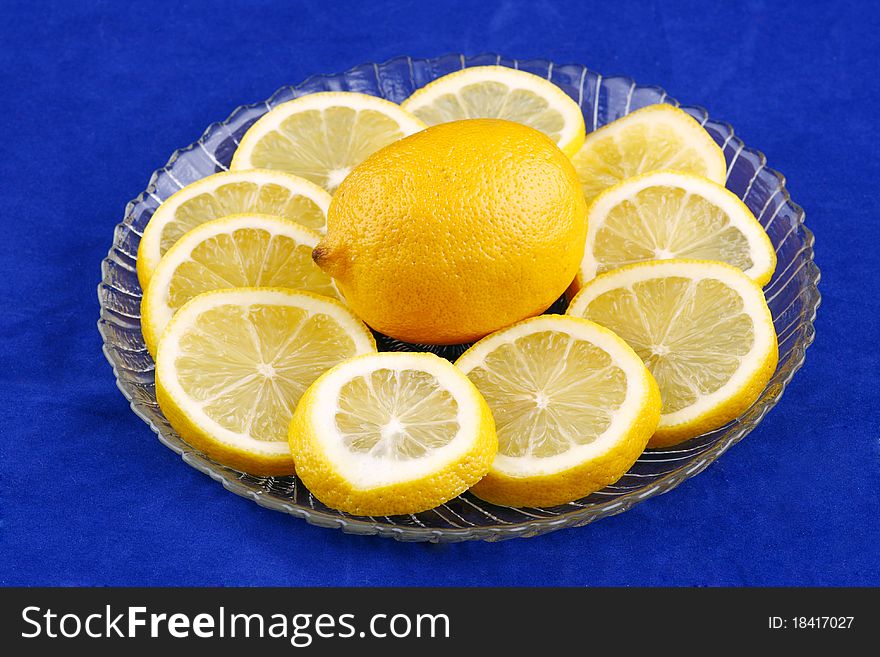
97, 94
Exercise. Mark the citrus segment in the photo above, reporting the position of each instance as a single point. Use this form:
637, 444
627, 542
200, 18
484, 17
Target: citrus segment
702, 328
498, 92
223, 194
573, 405
247, 250
650, 139
322, 136
666, 214
232, 364
392, 433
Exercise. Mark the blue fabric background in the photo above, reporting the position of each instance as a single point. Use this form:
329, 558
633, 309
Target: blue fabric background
97, 94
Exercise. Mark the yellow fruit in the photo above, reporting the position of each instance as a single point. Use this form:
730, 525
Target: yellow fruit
667, 214
457, 231
391, 433
244, 250
322, 136
232, 364
498, 92
573, 404
223, 194
650, 139
703, 329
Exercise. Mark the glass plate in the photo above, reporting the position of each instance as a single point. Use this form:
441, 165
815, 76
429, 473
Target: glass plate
792, 295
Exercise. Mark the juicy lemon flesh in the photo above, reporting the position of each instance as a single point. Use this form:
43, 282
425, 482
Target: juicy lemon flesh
692, 335
238, 197
248, 366
549, 392
247, 257
495, 100
324, 145
639, 149
396, 415
668, 222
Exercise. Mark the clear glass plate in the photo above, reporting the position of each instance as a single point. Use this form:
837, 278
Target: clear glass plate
792, 295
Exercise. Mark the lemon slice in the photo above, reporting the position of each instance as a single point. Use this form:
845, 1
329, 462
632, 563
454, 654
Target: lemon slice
232, 364
666, 214
574, 407
223, 194
245, 250
649, 139
323, 136
702, 328
498, 92
391, 433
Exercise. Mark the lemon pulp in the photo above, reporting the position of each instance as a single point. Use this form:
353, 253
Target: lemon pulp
650, 139
247, 257
395, 415
544, 405
498, 92
692, 335
322, 136
237, 197
247, 367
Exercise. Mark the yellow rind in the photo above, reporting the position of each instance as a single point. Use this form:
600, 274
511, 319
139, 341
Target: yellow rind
714, 159
147, 263
241, 159
734, 404
261, 465
255, 463
586, 477
551, 92
488, 223
581, 480
322, 478
148, 325
761, 278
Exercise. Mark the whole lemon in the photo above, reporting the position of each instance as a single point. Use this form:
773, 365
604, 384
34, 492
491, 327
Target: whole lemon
456, 231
